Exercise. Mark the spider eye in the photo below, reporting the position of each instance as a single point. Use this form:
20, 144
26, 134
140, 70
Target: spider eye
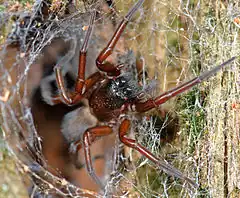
121, 82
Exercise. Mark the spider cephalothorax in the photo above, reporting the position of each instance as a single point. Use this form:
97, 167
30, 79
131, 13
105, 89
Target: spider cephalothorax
107, 101
111, 93
124, 88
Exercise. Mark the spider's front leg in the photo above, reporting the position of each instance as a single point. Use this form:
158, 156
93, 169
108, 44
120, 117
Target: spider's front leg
169, 169
80, 85
154, 103
107, 67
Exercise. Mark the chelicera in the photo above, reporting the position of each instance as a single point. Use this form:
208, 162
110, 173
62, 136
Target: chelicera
110, 94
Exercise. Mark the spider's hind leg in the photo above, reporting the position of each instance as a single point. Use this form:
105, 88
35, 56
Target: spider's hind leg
169, 169
89, 137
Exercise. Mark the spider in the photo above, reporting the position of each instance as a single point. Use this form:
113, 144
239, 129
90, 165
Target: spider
110, 94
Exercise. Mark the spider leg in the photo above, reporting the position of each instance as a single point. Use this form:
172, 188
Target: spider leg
80, 87
153, 103
169, 169
89, 136
82, 58
107, 67
89, 82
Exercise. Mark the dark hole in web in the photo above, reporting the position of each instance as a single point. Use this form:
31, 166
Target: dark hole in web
109, 2
168, 126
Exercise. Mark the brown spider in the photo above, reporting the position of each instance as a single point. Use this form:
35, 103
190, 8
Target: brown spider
110, 95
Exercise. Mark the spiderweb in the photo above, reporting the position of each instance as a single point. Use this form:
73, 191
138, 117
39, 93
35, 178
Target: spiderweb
197, 132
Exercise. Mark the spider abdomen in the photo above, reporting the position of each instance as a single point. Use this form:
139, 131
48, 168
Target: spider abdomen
103, 106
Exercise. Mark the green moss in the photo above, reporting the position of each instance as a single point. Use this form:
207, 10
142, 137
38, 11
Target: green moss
2, 8
192, 116
156, 183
